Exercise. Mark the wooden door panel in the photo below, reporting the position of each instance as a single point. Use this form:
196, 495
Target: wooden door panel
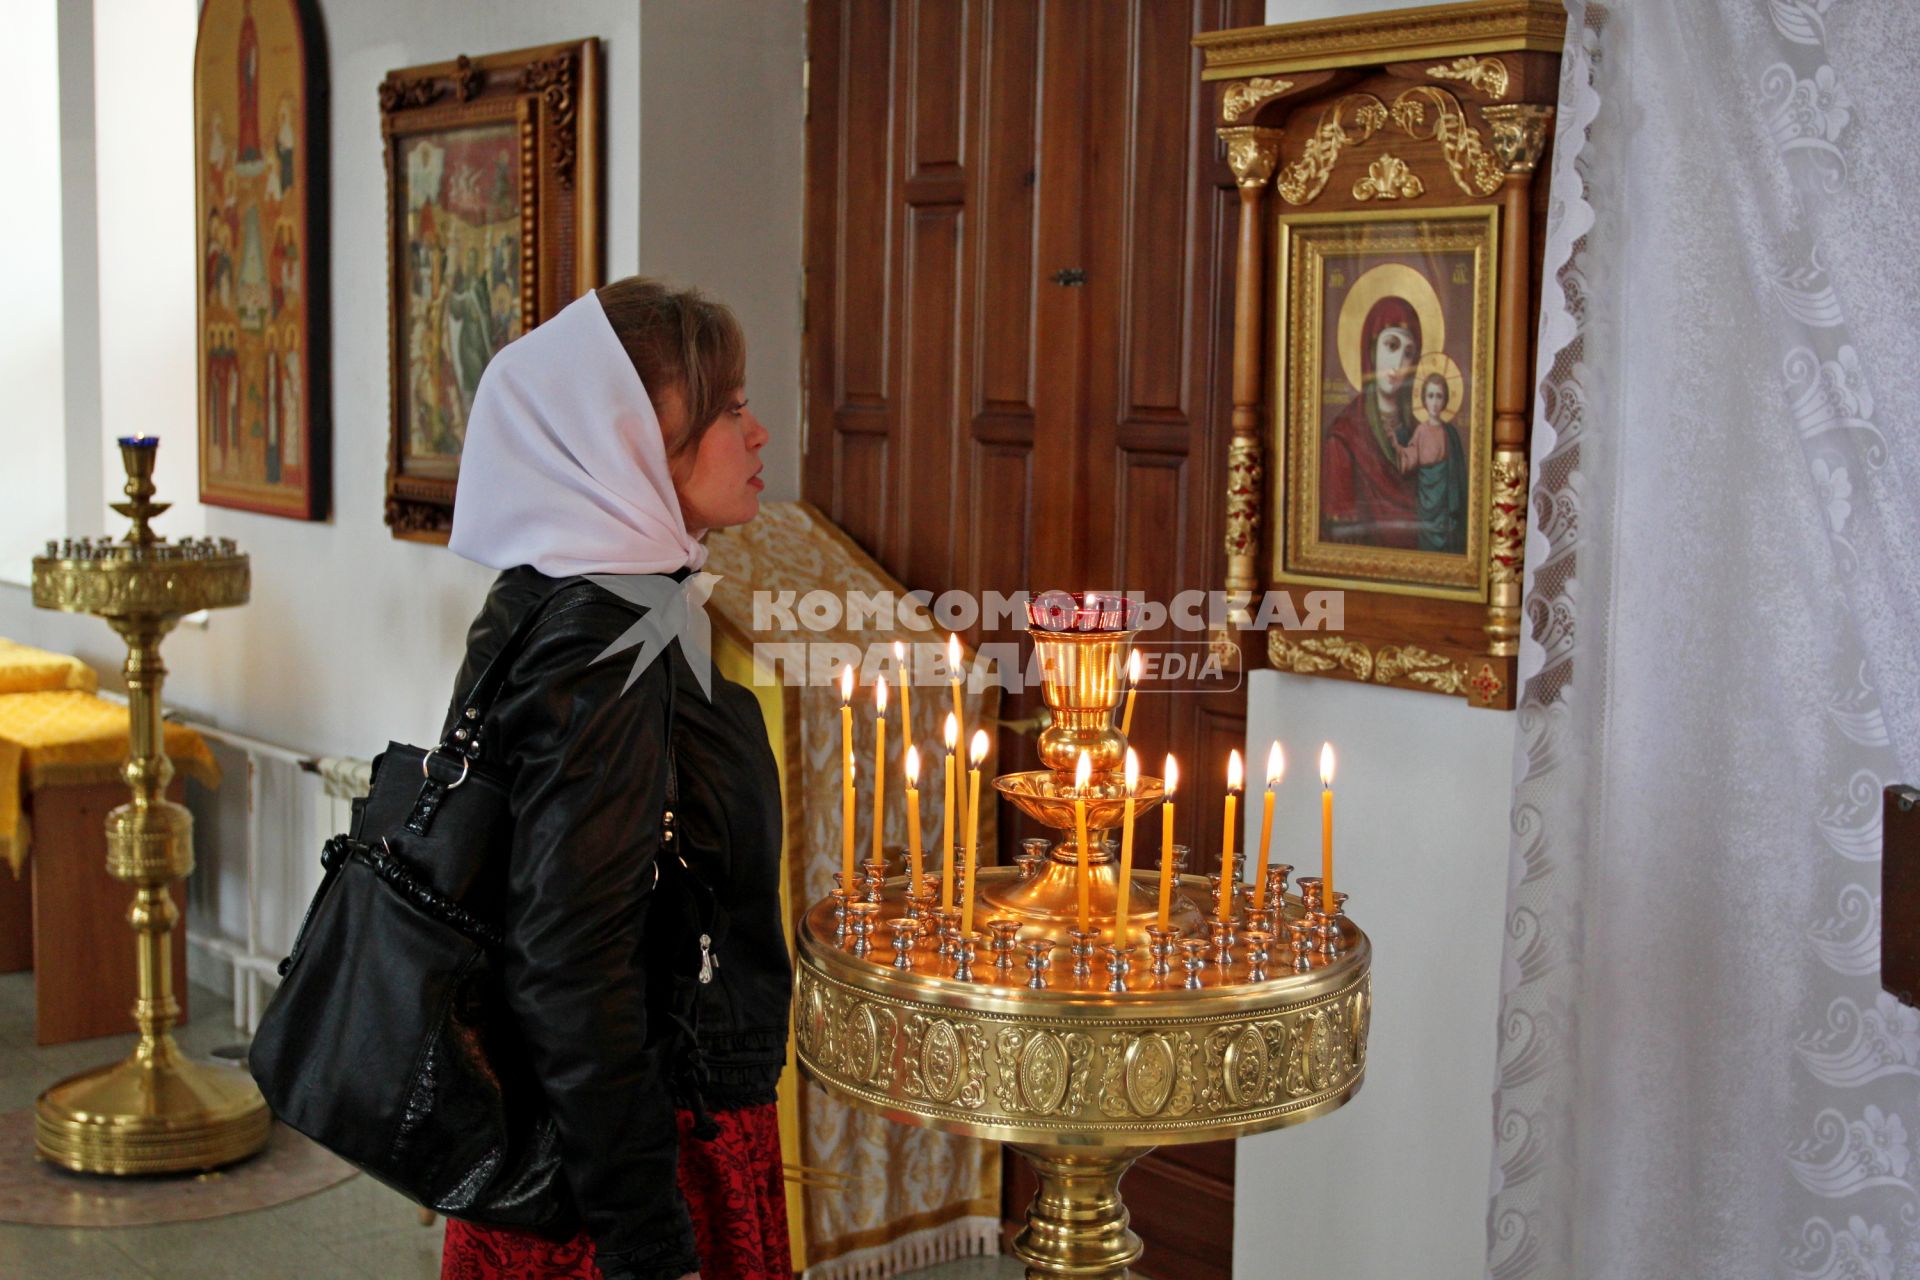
928, 345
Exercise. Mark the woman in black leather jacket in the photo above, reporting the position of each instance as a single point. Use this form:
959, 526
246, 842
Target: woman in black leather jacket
648, 971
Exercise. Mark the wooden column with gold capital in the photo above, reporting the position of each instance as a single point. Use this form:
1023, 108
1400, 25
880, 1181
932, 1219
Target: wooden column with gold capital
1252, 152
1519, 138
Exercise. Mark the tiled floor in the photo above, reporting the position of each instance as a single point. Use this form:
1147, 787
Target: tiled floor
357, 1230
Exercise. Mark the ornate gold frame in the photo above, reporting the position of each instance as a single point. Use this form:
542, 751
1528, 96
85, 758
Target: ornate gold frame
1299, 281
551, 94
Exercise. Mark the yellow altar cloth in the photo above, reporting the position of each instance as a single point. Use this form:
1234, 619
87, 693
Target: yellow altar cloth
67, 737
25, 669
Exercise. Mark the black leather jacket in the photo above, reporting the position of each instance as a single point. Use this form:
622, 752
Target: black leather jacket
611, 1034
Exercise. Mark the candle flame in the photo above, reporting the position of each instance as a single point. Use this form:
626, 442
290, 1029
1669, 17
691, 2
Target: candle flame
1133, 667
1133, 771
899, 652
1173, 775
846, 683
1276, 765
1236, 772
953, 733
913, 767
1326, 764
978, 751
953, 654
1082, 773
880, 695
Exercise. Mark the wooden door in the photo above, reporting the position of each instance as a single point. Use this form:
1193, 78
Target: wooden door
1020, 240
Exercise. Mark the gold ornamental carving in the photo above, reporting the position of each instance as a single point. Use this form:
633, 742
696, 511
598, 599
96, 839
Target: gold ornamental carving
1411, 663
1245, 476
1348, 122
1424, 113
1388, 178
1488, 75
1507, 515
1252, 152
1519, 134
1248, 96
1473, 168
553, 79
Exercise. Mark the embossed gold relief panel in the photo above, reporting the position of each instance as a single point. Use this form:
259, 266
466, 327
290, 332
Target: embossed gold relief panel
1405, 207
1022, 1077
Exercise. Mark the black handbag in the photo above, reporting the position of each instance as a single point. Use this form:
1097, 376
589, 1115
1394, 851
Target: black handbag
389, 1041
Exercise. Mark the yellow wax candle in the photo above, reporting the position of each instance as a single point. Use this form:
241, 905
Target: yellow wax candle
913, 820
947, 869
846, 778
1276, 768
1166, 842
1326, 827
1133, 687
1234, 776
904, 670
975, 754
879, 770
1126, 852
953, 665
1083, 869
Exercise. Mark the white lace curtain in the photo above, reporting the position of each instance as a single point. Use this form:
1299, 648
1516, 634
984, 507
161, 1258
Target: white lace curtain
1698, 1076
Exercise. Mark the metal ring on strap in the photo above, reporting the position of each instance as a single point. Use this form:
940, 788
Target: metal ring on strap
465, 764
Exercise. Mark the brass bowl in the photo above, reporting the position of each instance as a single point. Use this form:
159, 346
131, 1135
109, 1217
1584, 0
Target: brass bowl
1040, 796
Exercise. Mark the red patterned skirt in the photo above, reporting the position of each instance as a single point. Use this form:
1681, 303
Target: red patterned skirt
733, 1188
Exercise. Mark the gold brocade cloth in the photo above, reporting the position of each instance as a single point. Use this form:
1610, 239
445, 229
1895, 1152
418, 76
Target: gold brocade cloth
25, 669
66, 737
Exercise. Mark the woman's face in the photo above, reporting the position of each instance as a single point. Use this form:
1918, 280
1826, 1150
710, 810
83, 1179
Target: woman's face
1435, 398
718, 481
1394, 354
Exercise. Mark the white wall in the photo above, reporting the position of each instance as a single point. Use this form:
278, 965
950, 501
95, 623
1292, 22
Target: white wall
1395, 1183
734, 230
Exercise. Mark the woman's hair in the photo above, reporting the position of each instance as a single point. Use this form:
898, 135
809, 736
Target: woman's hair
681, 340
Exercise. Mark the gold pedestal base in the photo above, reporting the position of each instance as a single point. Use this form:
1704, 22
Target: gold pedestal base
1077, 1223
151, 1113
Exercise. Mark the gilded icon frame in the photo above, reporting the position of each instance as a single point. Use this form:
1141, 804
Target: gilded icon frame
1308, 247
493, 225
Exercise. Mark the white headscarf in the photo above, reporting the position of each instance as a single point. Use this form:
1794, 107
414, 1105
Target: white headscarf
564, 467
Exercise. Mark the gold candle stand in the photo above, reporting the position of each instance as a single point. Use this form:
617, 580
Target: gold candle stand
1082, 1064
155, 1111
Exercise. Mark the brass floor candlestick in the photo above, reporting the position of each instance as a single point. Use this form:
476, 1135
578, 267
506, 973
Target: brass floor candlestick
154, 1112
1082, 1068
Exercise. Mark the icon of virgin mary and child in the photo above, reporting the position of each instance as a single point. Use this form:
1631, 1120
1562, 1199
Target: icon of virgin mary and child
1393, 471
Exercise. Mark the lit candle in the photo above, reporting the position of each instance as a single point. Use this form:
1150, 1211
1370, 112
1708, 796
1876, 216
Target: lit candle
1276, 768
1326, 827
975, 754
1083, 870
139, 440
913, 818
1133, 687
905, 673
846, 777
1126, 852
947, 876
953, 665
1235, 773
879, 770
1166, 841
